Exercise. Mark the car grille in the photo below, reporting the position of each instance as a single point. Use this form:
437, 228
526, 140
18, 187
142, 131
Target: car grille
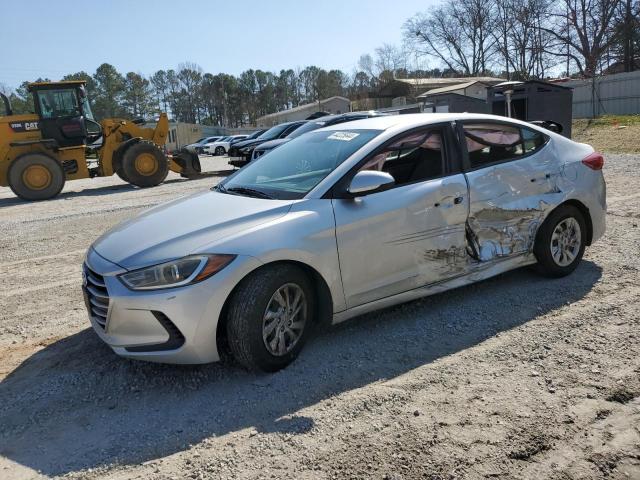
96, 296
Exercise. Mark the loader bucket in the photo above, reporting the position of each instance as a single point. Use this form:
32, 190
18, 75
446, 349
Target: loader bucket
189, 163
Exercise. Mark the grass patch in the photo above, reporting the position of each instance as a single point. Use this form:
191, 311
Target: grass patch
609, 133
615, 120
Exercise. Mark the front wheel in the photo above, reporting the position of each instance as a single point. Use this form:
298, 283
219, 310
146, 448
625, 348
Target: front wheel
560, 242
220, 151
144, 165
267, 333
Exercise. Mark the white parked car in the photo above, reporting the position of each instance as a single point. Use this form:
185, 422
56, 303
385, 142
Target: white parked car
221, 147
196, 146
338, 222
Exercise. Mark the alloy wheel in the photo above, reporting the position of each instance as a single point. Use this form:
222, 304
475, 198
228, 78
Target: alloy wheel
566, 241
284, 319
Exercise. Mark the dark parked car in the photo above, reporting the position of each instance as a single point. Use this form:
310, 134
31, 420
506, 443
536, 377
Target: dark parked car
254, 135
240, 153
324, 121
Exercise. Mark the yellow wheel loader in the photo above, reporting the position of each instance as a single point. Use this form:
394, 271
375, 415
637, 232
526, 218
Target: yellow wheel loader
62, 141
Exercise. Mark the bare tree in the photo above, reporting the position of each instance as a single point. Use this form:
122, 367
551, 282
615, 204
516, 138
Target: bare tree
627, 31
583, 31
460, 34
390, 58
519, 37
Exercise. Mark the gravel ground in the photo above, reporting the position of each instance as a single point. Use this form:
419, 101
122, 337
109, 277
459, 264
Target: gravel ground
517, 377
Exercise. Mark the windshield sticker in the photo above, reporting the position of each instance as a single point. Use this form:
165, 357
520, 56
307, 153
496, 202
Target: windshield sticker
343, 136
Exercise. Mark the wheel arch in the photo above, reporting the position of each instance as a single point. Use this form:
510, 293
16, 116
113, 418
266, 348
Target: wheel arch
584, 210
324, 299
119, 152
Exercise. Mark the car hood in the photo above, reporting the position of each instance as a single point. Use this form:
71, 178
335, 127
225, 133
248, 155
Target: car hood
268, 145
182, 227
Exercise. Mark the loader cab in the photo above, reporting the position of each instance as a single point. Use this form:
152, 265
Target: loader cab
62, 109
6, 110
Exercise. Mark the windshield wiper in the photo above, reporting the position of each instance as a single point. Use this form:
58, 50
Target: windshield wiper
220, 188
249, 192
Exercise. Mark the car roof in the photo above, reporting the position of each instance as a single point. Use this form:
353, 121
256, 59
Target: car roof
414, 120
288, 123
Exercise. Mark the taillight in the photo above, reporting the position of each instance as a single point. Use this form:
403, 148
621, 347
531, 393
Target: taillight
595, 161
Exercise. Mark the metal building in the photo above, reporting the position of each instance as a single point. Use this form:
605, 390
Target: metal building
454, 103
331, 105
617, 94
532, 100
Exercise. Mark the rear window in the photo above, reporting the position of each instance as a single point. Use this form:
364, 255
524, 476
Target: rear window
489, 143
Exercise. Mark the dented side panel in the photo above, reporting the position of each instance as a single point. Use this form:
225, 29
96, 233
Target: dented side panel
509, 201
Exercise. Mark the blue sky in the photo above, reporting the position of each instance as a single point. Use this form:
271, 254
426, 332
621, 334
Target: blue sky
50, 38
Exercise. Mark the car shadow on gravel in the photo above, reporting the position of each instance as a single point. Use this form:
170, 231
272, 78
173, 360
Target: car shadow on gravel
75, 405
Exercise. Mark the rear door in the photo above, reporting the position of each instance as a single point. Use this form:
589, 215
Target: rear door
512, 174
412, 234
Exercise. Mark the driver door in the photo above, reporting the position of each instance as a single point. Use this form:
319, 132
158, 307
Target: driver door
408, 236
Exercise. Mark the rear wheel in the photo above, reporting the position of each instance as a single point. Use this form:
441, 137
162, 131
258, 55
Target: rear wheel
267, 333
220, 151
121, 174
560, 242
36, 176
144, 165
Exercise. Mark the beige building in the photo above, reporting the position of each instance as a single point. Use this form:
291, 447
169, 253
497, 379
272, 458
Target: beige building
333, 105
181, 134
401, 91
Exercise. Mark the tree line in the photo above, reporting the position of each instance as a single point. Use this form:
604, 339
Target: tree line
513, 39
524, 39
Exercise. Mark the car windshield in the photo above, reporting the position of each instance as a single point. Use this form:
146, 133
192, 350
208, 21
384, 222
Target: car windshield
254, 135
294, 169
274, 132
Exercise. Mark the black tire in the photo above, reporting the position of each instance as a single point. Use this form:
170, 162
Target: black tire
121, 174
547, 264
246, 313
220, 151
36, 176
144, 165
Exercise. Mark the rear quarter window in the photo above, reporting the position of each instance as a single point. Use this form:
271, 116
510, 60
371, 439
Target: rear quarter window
491, 143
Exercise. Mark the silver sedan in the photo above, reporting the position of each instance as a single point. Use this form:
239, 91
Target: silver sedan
339, 222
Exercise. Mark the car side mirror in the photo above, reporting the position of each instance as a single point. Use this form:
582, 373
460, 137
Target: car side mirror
369, 180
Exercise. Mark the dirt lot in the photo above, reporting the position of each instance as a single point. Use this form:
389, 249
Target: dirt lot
611, 133
515, 377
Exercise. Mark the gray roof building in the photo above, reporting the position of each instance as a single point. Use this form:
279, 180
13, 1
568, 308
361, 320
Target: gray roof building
333, 105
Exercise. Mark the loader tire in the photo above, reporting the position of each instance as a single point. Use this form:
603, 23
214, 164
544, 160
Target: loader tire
36, 176
144, 165
121, 174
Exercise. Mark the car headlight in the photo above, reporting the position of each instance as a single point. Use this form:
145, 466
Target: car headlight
184, 271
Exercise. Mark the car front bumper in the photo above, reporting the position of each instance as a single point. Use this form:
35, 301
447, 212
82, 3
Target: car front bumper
176, 325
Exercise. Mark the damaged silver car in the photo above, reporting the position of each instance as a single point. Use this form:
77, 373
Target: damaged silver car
339, 222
